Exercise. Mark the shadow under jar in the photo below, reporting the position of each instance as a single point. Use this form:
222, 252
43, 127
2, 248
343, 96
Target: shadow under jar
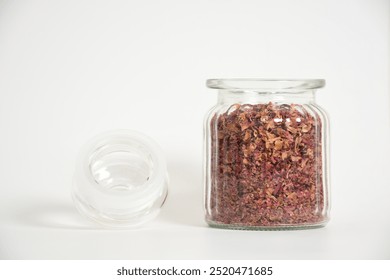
266, 155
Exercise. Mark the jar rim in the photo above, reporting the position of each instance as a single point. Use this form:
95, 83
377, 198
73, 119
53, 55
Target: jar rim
266, 84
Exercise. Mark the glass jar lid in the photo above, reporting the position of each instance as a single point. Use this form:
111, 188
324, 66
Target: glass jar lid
120, 179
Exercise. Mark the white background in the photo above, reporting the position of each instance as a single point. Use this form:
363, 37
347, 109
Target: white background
72, 69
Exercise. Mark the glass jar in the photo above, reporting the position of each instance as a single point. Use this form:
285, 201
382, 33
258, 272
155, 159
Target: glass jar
266, 155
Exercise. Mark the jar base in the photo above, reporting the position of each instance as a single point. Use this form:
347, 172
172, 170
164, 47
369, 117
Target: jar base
267, 228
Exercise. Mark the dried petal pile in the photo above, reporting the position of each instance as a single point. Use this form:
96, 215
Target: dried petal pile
266, 166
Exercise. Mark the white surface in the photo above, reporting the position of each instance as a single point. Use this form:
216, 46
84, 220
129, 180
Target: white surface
72, 69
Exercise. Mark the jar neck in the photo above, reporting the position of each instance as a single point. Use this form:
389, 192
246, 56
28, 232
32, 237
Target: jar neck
226, 96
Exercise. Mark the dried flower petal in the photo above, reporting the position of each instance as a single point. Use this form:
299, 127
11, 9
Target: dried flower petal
266, 167
278, 144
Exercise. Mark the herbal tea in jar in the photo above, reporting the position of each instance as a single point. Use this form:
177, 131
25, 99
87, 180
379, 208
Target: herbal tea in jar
266, 163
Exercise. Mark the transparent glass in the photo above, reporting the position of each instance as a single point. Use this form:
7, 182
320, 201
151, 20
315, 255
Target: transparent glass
266, 155
121, 179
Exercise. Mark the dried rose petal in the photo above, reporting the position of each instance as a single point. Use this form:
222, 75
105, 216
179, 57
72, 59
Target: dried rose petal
266, 167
